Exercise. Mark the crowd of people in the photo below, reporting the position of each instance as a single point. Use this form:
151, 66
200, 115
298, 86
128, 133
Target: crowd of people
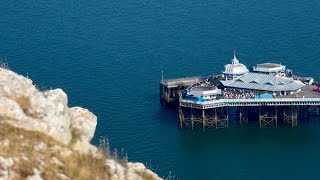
237, 94
204, 83
226, 93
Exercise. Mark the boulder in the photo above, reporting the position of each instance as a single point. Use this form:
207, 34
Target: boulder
83, 123
132, 171
51, 108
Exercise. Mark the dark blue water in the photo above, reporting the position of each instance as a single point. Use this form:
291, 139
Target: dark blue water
108, 56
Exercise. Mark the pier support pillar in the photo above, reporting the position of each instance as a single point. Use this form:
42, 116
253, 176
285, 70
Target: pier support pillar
290, 116
203, 120
276, 115
260, 117
215, 118
268, 117
221, 118
181, 118
161, 95
243, 115
192, 119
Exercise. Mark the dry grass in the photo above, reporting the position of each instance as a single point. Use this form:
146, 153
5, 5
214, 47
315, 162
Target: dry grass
120, 157
3, 63
75, 136
22, 143
24, 103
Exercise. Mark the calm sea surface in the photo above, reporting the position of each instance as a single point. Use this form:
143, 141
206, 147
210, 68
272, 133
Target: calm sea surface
108, 56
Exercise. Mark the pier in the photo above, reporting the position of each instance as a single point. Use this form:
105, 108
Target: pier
270, 95
170, 89
215, 114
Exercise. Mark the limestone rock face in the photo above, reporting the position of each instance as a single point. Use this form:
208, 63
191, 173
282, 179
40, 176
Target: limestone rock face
23, 106
11, 112
142, 171
84, 122
15, 86
6, 165
51, 107
133, 171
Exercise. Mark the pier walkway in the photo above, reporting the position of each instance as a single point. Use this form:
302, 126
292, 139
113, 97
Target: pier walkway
306, 97
170, 88
250, 102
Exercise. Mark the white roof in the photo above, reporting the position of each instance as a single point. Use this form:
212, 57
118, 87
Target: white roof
235, 68
269, 67
264, 82
204, 91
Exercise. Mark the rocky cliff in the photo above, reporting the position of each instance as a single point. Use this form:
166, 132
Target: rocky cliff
42, 138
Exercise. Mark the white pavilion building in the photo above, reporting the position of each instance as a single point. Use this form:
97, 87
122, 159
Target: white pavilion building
235, 69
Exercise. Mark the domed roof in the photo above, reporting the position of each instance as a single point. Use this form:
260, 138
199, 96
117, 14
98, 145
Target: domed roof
235, 68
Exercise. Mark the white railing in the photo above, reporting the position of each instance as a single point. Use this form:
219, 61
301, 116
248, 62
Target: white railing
226, 102
179, 80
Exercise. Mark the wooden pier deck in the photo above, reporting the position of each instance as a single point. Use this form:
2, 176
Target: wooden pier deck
170, 88
306, 97
250, 102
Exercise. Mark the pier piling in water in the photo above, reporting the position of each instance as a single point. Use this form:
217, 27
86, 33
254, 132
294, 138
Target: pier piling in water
219, 117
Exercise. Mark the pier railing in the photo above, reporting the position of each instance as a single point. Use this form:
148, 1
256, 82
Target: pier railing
249, 102
169, 82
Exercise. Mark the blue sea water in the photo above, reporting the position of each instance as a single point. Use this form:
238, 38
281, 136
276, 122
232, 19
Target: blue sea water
108, 57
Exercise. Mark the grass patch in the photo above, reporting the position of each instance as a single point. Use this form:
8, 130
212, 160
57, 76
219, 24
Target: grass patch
104, 147
75, 135
24, 103
22, 144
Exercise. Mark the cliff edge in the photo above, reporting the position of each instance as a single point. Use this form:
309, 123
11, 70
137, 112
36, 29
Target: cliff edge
42, 138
